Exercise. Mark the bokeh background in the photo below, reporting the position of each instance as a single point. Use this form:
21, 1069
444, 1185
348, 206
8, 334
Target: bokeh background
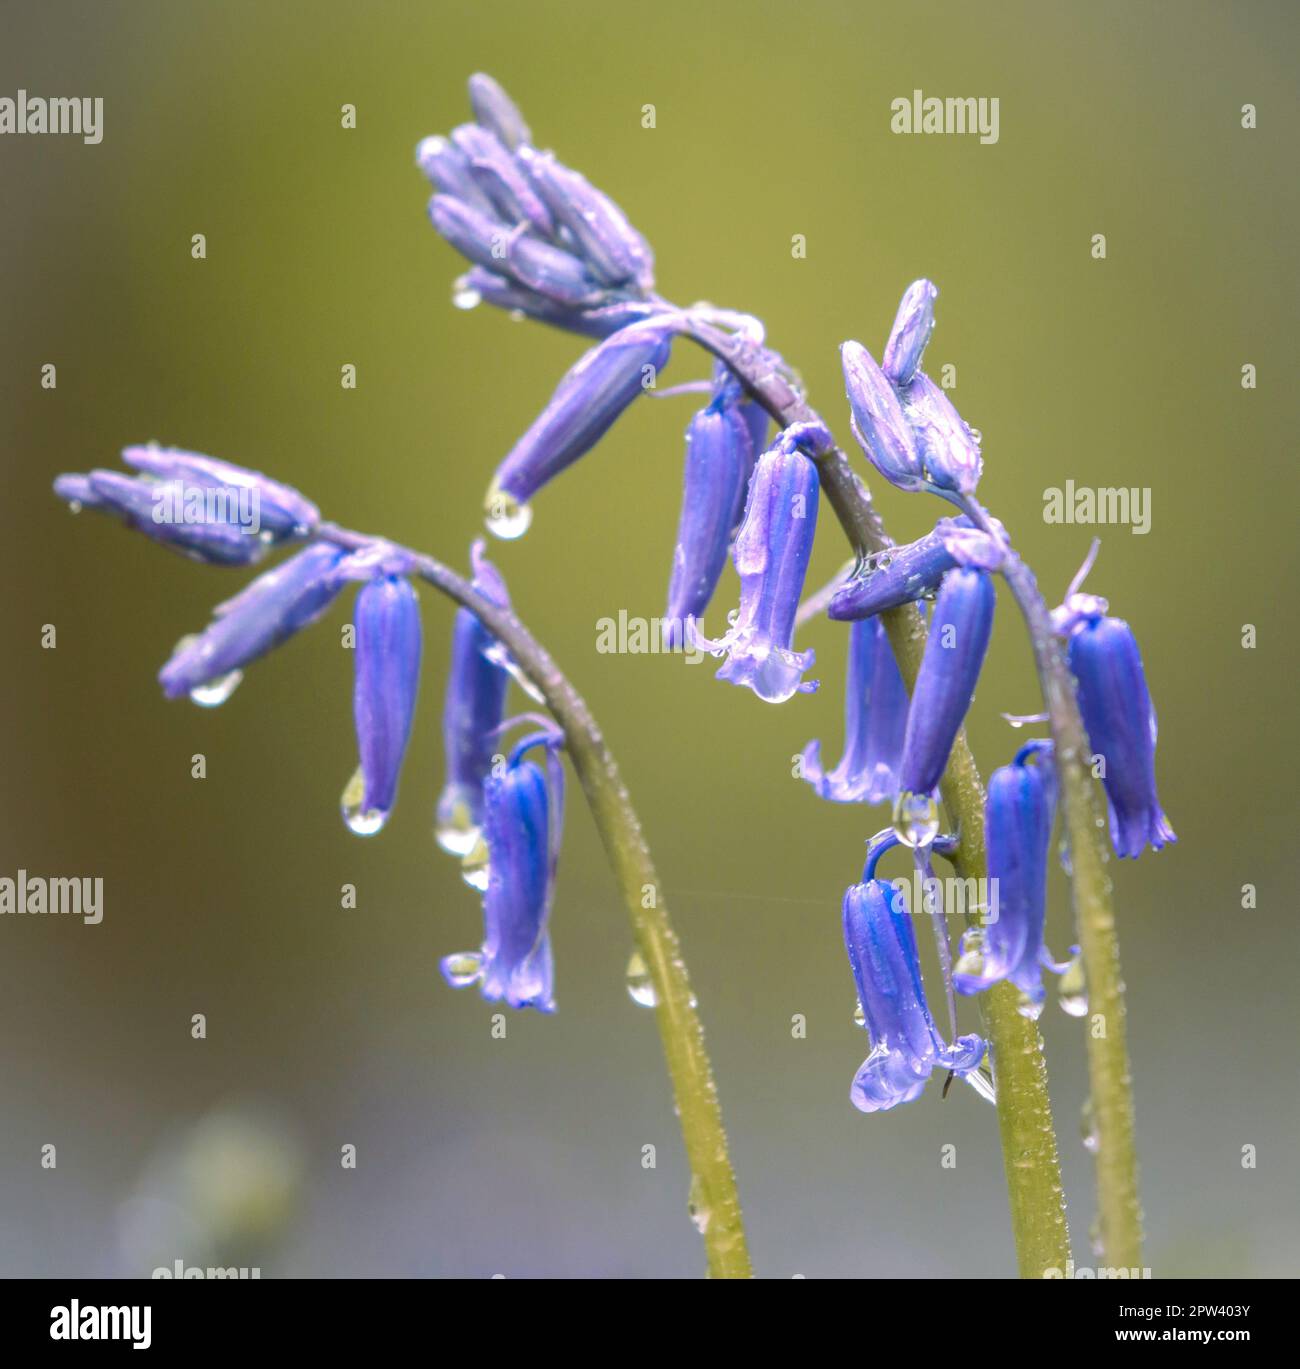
331, 1027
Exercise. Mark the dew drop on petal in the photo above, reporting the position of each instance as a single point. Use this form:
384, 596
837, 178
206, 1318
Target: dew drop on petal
454, 827
465, 296
475, 867
506, 517
361, 821
916, 819
640, 986
859, 1017
463, 968
211, 693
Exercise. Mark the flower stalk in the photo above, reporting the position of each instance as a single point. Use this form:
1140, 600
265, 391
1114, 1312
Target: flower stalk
1029, 1150
1110, 1079
715, 1201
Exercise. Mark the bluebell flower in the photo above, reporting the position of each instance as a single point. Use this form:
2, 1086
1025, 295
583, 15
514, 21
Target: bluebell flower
497, 112
472, 715
585, 405
905, 1043
897, 576
388, 646
206, 509
954, 654
1018, 814
614, 251
719, 460
949, 450
523, 816
596, 321
771, 556
447, 169
545, 269
878, 422
281, 510
875, 718
1121, 722
912, 328
501, 179
267, 613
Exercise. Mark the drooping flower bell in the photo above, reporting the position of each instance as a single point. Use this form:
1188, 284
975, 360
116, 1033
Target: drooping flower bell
266, 613
719, 460
954, 654
388, 647
875, 718
1121, 722
472, 714
523, 817
771, 556
1018, 815
585, 405
905, 1043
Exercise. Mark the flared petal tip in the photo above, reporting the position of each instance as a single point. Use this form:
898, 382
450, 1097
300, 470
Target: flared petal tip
773, 673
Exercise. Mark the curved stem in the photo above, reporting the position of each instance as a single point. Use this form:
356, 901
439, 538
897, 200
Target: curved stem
1108, 1065
714, 1199
1029, 1150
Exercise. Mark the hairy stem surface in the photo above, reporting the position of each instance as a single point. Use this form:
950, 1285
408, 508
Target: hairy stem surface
1110, 1080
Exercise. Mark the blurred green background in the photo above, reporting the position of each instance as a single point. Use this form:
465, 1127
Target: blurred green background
329, 1027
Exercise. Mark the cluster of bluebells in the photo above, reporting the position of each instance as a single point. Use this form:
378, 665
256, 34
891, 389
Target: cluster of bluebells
502, 814
547, 245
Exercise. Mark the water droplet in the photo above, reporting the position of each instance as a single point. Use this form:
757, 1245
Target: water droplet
640, 987
983, 1085
1028, 1007
859, 1017
463, 968
1073, 988
362, 821
475, 867
465, 296
74, 505
214, 692
499, 656
454, 827
507, 518
971, 959
916, 819
1088, 1128
698, 1207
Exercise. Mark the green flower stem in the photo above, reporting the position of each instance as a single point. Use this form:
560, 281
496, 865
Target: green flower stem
1111, 1083
714, 1200
1029, 1151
